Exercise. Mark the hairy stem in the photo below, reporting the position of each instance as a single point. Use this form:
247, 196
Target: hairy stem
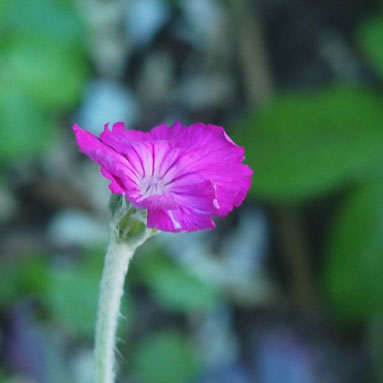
111, 290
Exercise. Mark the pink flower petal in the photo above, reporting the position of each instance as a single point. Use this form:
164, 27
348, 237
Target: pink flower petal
114, 166
182, 175
116, 185
211, 154
182, 219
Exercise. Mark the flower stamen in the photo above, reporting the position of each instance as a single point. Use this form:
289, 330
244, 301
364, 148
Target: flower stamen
152, 185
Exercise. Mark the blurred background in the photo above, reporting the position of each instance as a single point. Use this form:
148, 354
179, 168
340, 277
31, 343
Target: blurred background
289, 287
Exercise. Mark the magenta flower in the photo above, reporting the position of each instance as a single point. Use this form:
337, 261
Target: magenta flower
184, 176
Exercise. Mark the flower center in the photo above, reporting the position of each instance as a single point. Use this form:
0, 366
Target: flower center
151, 185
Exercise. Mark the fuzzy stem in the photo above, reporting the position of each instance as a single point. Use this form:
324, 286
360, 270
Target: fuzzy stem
111, 290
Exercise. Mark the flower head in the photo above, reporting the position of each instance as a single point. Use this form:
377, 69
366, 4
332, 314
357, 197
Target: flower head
183, 176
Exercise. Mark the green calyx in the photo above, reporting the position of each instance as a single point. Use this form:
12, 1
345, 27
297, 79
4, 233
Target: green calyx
129, 222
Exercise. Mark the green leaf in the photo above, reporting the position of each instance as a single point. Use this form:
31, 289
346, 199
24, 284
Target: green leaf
370, 39
354, 270
176, 288
48, 73
24, 129
165, 357
307, 144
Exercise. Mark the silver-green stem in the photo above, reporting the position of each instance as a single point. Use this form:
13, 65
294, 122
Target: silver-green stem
111, 290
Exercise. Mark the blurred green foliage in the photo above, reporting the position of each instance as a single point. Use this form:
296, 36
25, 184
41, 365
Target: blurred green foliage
51, 74
56, 20
26, 277
307, 144
25, 128
3, 376
72, 299
353, 275
174, 287
42, 71
72, 296
370, 39
165, 357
